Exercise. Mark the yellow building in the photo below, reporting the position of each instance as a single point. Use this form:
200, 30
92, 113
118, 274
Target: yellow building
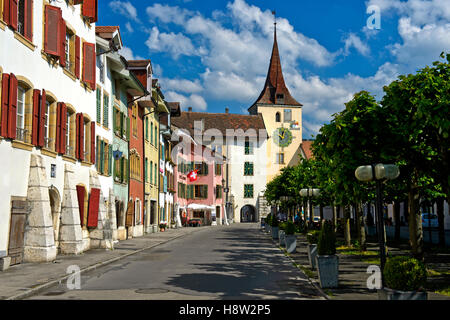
282, 116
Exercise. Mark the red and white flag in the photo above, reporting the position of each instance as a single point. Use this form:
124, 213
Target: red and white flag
193, 175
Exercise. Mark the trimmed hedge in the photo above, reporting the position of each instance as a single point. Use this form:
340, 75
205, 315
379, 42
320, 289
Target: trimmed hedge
326, 244
404, 274
289, 228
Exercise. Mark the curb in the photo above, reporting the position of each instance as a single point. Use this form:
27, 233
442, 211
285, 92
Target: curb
313, 282
42, 287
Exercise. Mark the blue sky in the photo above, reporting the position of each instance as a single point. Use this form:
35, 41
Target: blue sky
210, 55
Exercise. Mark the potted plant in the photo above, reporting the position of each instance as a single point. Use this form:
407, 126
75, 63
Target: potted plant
268, 223
326, 260
312, 237
281, 233
162, 226
404, 279
275, 228
290, 238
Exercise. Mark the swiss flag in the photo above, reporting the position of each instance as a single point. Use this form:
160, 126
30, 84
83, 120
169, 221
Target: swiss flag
193, 175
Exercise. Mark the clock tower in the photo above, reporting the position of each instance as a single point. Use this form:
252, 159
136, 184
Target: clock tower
282, 116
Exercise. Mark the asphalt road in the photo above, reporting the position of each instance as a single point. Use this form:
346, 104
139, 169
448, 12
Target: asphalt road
224, 262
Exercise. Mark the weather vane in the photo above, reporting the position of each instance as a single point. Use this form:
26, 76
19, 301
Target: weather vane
274, 16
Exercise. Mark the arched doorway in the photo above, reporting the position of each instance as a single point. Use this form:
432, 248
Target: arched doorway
55, 206
248, 214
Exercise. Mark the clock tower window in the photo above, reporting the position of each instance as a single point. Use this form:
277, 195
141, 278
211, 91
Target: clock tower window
278, 117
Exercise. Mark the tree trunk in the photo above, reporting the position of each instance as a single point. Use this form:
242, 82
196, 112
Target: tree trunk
370, 221
321, 212
347, 234
440, 214
359, 216
397, 220
335, 213
415, 222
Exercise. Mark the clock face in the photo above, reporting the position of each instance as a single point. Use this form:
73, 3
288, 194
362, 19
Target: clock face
282, 137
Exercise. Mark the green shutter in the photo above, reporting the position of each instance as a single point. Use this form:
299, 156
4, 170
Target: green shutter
127, 170
102, 157
99, 106
151, 134
105, 111
123, 124
145, 170
97, 154
146, 128
114, 120
128, 129
110, 161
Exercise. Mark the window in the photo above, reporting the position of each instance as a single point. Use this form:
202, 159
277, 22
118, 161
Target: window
101, 67
135, 163
20, 122
202, 168
287, 115
218, 192
278, 117
248, 191
248, 147
201, 191
218, 169
70, 51
156, 174
87, 140
70, 133
280, 158
248, 169
105, 110
24, 19
151, 133
151, 172
280, 98
146, 128
134, 119
156, 136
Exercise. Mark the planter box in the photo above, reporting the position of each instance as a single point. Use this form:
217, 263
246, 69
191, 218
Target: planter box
281, 236
390, 294
275, 232
328, 267
291, 243
312, 253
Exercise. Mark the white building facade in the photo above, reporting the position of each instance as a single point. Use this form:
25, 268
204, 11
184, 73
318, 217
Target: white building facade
48, 81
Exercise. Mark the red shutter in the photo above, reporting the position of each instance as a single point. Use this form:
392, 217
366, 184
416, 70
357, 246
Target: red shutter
80, 195
90, 10
5, 105
58, 128
42, 119
63, 128
77, 56
35, 125
13, 13
82, 137
6, 11
62, 42
89, 64
12, 117
93, 142
52, 30
28, 28
94, 202
77, 136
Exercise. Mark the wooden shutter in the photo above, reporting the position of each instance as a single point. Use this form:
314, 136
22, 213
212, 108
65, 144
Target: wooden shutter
6, 11
93, 142
89, 64
12, 116
130, 214
110, 157
128, 129
62, 42
5, 105
63, 128
42, 119
94, 202
90, 9
36, 116
80, 137
81, 194
101, 158
13, 13
77, 57
58, 127
52, 30
28, 28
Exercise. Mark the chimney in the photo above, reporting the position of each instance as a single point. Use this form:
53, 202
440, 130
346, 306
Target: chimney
190, 109
227, 110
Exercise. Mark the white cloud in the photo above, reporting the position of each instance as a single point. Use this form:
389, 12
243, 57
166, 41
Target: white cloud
174, 43
195, 101
354, 41
182, 85
129, 27
167, 14
128, 54
124, 8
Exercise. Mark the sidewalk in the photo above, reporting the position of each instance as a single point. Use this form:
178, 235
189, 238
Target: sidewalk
352, 273
23, 280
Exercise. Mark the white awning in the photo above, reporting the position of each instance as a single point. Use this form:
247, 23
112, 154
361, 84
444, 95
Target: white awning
195, 206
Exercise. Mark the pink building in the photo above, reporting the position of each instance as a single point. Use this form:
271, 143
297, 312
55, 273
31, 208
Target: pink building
202, 198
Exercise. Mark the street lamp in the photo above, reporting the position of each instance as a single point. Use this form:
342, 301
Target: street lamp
309, 194
378, 173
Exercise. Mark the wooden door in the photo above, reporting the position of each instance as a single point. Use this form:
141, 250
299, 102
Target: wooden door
130, 214
17, 231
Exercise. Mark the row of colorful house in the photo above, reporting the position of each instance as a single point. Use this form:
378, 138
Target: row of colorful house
86, 139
